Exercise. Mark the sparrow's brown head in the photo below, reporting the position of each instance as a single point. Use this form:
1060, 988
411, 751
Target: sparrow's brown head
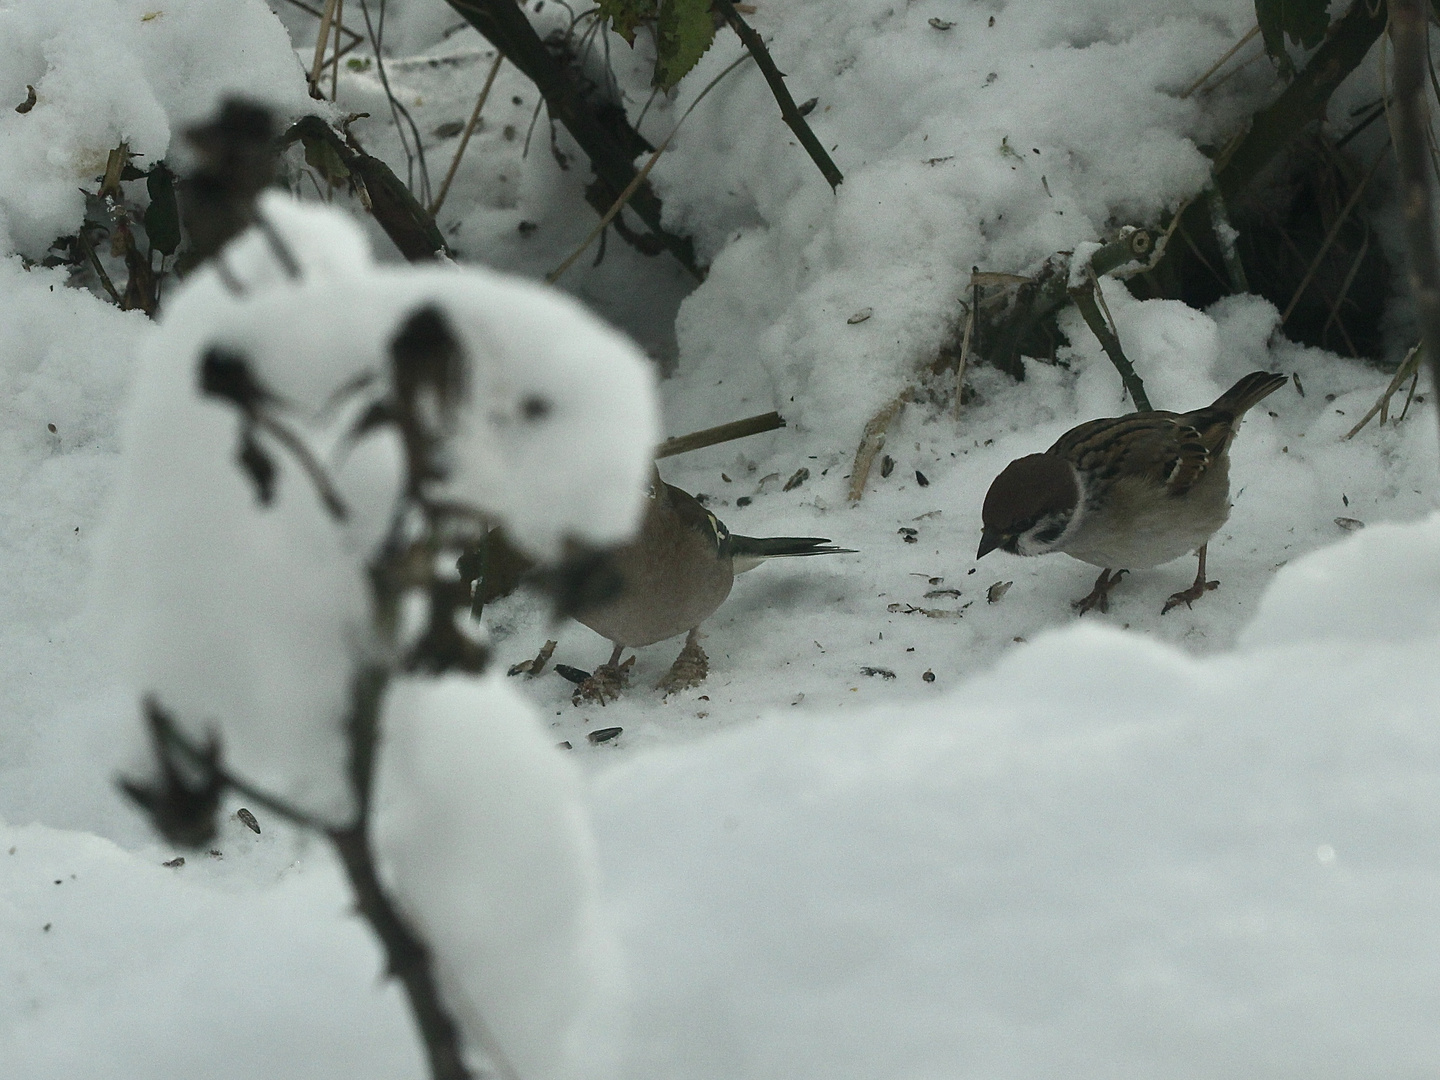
1029, 505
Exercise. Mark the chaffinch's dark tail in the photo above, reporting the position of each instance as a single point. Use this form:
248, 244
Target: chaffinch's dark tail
750, 551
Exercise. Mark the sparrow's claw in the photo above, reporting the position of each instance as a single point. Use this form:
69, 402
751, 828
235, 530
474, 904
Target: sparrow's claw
1099, 597
1194, 592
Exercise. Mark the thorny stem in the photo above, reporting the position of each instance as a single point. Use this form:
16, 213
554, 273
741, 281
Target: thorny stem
1412, 122
776, 79
407, 955
1085, 299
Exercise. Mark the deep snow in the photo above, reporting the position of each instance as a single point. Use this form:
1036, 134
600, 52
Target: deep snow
1184, 846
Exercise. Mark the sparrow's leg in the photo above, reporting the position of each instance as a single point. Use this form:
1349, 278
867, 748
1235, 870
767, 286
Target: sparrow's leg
690, 667
1195, 591
1100, 595
607, 680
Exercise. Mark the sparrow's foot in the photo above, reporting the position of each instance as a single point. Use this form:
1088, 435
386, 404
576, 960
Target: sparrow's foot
1198, 589
605, 683
690, 667
1194, 592
1099, 597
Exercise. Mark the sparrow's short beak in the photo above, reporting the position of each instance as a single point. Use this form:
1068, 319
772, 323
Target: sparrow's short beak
990, 539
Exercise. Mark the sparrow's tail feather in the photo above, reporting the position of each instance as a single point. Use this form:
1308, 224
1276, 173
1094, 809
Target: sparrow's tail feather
1249, 392
750, 551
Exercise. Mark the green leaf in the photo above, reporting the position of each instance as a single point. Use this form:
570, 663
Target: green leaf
162, 216
684, 32
625, 15
323, 158
1302, 21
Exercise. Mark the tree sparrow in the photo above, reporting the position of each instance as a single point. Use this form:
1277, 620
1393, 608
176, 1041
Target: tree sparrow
1127, 491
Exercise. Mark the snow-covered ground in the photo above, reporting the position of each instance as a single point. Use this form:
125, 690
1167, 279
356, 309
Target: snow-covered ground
1193, 845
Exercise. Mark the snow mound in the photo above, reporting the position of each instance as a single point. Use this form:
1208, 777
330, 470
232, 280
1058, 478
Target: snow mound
113, 71
1102, 858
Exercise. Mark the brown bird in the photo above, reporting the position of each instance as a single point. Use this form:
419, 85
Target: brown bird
1126, 491
673, 576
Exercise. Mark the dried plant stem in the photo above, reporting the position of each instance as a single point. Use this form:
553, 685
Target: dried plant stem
322, 37
1408, 368
335, 58
872, 441
736, 429
465, 136
964, 361
1225, 236
99, 269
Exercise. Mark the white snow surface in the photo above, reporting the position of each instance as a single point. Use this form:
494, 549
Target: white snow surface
1175, 847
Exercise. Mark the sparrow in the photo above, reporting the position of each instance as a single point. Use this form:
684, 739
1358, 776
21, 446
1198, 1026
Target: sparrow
672, 577
1125, 492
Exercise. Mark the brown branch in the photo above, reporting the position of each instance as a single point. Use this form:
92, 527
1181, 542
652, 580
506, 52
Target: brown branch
1412, 122
611, 146
776, 79
736, 429
1304, 100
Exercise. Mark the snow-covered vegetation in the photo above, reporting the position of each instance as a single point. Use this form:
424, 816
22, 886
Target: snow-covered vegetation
920, 820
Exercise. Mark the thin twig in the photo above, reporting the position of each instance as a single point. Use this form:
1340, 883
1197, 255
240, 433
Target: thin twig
396, 109
1332, 234
776, 79
1225, 236
465, 136
355, 39
1220, 63
313, 469
639, 178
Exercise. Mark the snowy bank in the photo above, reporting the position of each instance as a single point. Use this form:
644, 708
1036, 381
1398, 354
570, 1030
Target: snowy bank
1103, 857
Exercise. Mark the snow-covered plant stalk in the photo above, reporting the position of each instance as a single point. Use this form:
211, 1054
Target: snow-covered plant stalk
314, 441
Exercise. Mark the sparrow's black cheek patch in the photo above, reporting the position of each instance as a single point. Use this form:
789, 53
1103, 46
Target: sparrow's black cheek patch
1050, 531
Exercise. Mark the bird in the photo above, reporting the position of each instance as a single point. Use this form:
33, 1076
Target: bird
1125, 492
674, 575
